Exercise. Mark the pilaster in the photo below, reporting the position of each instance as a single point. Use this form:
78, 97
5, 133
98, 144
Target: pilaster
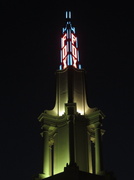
46, 159
98, 149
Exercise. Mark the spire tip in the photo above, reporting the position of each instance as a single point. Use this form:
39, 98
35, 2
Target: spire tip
68, 14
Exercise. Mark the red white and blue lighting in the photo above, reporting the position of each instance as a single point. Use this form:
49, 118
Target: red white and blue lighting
69, 46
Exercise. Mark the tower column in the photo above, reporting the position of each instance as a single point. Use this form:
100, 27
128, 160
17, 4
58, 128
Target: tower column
98, 149
46, 161
71, 111
50, 160
90, 154
71, 140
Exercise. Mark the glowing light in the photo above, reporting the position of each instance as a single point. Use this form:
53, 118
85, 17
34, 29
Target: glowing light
64, 52
69, 46
64, 63
80, 111
73, 39
74, 51
70, 58
79, 66
63, 39
68, 14
73, 29
74, 62
61, 113
60, 67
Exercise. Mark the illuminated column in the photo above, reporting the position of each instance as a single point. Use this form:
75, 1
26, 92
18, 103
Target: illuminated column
98, 149
71, 140
50, 160
46, 156
51, 147
70, 111
90, 154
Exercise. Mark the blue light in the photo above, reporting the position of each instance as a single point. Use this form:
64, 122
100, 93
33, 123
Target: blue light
68, 14
67, 33
60, 67
70, 57
61, 56
68, 61
63, 30
78, 55
73, 29
77, 43
69, 45
79, 66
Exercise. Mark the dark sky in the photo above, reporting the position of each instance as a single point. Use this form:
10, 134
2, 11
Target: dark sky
29, 58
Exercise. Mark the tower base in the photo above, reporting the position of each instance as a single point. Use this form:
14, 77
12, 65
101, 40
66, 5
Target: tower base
72, 172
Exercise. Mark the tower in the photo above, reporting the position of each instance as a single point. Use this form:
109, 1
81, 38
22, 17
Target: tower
71, 131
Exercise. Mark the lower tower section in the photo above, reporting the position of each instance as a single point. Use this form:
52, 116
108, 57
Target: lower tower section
72, 130
67, 141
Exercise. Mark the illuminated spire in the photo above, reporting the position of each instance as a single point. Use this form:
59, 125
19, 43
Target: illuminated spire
69, 46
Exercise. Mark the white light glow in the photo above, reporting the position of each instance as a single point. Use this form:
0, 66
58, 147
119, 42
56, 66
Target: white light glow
74, 62
73, 39
80, 111
74, 51
63, 39
64, 52
69, 45
61, 113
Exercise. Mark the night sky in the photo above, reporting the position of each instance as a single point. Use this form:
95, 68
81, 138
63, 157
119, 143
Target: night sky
29, 58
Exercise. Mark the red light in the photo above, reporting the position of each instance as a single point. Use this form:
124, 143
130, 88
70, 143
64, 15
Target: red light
69, 52
74, 51
63, 40
64, 52
74, 62
64, 63
73, 39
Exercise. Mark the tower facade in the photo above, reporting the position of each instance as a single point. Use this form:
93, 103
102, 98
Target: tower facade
71, 131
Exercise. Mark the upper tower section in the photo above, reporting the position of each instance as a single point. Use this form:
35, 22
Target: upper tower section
69, 53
